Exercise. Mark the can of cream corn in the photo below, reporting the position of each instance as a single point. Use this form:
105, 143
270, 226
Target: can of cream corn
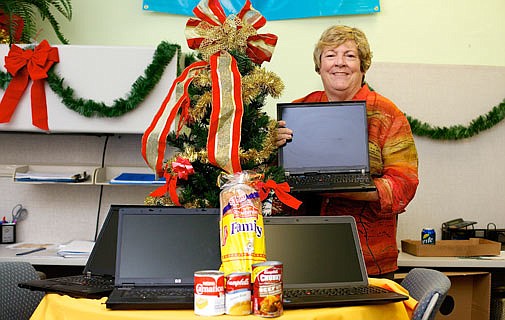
238, 293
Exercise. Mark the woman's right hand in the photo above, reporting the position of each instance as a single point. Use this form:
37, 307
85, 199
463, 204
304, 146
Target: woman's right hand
283, 134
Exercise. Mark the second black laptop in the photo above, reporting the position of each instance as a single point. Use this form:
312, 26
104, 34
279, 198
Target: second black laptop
158, 253
323, 264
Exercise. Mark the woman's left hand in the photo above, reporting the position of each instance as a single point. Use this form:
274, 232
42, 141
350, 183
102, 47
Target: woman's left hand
283, 134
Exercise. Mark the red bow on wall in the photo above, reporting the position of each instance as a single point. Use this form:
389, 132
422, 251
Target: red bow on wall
24, 65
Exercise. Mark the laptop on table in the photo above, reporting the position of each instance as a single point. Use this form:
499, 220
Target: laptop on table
97, 279
329, 150
323, 264
157, 254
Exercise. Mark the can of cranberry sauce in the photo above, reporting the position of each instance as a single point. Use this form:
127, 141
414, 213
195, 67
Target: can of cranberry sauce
267, 289
209, 293
237, 298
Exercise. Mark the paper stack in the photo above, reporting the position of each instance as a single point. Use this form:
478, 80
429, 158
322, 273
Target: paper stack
76, 248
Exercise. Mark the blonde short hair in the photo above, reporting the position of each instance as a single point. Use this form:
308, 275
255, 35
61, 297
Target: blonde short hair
335, 36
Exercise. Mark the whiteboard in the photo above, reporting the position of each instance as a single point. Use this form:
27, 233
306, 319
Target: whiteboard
99, 73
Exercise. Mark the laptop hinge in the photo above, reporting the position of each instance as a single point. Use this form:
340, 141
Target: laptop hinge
127, 286
88, 274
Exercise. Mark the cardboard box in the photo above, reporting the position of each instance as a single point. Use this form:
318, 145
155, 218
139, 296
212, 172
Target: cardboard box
469, 297
453, 248
471, 294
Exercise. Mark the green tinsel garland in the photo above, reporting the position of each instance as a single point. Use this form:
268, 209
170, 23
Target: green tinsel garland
140, 88
458, 132
162, 57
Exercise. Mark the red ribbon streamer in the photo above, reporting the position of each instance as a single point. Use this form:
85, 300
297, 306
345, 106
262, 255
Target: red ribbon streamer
281, 190
154, 140
24, 65
169, 187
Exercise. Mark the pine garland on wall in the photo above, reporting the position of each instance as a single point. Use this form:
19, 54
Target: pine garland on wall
164, 54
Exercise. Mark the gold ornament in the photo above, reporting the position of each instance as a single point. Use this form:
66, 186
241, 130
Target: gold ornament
4, 36
158, 201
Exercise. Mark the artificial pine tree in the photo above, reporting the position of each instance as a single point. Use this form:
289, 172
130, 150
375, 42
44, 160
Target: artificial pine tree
197, 181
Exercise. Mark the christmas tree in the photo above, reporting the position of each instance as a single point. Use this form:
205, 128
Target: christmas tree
216, 107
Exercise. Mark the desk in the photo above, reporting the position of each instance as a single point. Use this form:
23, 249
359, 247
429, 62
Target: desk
408, 260
45, 257
56, 307
46, 261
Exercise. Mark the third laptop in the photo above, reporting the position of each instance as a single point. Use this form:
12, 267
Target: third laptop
329, 149
158, 252
97, 279
323, 263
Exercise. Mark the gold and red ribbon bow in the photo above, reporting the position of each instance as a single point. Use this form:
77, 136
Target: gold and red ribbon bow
213, 35
24, 65
181, 169
281, 190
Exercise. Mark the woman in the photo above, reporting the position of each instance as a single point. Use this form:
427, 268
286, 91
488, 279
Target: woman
342, 57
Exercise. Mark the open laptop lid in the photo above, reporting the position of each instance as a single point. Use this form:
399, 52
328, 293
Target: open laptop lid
328, 137
102, 259
316, 251
165, 246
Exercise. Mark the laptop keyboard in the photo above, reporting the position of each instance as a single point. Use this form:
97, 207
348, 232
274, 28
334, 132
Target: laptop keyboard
86, 281
347, 291
157, 293
329, 179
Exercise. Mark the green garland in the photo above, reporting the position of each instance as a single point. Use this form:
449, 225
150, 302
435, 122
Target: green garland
162, 57
140, 88
458, 132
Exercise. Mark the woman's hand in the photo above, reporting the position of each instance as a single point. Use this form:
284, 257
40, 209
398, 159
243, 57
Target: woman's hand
283, 134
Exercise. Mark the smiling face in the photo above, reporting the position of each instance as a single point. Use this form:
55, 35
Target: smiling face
340, 71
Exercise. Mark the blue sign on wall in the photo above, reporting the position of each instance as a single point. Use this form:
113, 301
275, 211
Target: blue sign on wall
273, 9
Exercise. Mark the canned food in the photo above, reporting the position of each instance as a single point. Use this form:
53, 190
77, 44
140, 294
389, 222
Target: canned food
238, 293
267, 289
209, 293
428, 236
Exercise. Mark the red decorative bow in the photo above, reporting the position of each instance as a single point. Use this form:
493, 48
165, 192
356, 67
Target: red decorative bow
181, 168
281, 190
213, 32
24, 65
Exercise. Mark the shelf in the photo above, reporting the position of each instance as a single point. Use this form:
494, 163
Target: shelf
52, 174
103, 176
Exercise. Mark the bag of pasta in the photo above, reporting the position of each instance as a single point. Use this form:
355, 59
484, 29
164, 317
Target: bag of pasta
241, 224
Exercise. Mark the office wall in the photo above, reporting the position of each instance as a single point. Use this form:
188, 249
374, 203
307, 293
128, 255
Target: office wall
436, 33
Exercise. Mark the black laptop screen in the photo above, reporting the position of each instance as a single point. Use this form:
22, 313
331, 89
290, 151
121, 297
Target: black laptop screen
314, 253
166, 248
326, 136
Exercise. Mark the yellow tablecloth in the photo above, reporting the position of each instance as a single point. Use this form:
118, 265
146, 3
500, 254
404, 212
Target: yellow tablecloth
57, 307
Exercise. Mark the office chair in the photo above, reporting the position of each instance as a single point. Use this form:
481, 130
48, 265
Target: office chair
17, 303
429, 287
